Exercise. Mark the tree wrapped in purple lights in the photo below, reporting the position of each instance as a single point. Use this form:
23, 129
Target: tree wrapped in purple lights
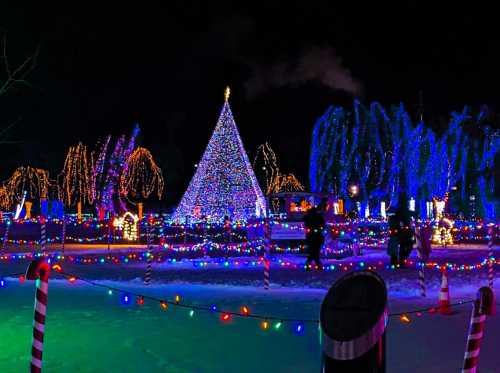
224, 182
107, 171
384, 153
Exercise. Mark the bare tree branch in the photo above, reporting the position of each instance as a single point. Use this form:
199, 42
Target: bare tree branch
18, 75
15, 78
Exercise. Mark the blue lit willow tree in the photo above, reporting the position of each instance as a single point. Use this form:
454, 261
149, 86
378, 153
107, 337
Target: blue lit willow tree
384, 153
224, 182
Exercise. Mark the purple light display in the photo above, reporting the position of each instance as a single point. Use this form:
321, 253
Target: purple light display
224, 182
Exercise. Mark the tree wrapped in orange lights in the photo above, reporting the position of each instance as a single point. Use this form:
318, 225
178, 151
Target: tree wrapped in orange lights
33, 181
275, 181
75, 178
266, 159
286, 183
5, 201
142, 176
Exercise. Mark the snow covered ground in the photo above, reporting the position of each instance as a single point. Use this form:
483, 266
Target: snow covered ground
88, 330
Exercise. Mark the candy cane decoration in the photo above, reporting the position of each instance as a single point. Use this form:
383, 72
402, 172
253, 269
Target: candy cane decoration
421, 280
147, 276
8, 223
491, 259
63, 234
267, 242
483, 306
38, 270
43, 234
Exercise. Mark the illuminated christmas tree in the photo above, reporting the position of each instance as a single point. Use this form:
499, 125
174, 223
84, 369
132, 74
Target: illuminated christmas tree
224, 182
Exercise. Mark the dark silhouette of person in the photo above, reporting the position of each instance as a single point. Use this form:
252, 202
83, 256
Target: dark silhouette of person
406, 236
393, 244
425, 237
314, 224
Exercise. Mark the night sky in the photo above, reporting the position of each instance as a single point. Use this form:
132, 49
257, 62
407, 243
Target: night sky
101, 69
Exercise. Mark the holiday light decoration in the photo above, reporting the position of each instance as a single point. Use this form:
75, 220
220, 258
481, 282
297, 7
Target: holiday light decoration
98, 161
265, 160
287, 183
128, 225
275, 181
384, 153
442, 232
107, 172
142, 176
32, 181
5, 201
75, 178
266, 322
302, 206
19, 208
224, 182
168, 233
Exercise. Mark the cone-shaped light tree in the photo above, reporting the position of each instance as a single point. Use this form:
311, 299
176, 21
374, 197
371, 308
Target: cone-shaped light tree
224, 182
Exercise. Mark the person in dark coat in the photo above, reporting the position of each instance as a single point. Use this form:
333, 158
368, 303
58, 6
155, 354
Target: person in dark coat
406, 235
424, 237
314, 223
393, 244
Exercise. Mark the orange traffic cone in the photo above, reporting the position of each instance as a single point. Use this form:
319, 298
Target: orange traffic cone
444, 295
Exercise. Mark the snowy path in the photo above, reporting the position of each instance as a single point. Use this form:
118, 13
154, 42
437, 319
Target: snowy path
90, 331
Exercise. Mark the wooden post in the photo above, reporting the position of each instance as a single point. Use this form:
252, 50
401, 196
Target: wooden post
139, 210
27, 207
79, 212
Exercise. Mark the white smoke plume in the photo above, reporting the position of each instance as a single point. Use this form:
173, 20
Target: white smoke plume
316, 64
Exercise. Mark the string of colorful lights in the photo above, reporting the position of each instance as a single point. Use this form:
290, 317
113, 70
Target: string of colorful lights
266, 321
235, 263
366, 234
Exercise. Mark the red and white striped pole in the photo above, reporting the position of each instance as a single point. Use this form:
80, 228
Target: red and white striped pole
483, 306
147, 276
39, 270
43, 234
267, 263
63, 234
421, 279
491, 258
